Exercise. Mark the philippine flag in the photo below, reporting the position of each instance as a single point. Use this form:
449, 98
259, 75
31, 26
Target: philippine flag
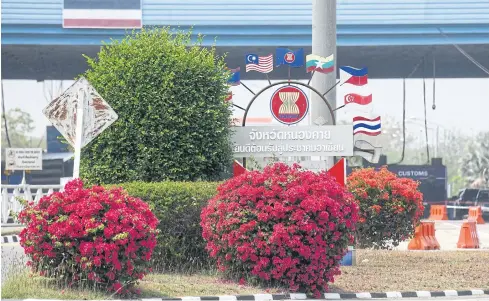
320, 64
353, 76
370, 127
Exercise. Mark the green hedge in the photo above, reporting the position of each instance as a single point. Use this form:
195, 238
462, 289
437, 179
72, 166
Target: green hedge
177, 205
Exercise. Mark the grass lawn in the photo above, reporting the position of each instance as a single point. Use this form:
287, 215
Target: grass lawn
376, 271
22, 286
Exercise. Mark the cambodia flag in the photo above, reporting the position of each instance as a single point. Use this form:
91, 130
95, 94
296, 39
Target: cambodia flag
353, 76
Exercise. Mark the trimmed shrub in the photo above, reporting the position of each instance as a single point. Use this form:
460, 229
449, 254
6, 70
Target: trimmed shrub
173, 121
104, 236
390, 207
282, 226
177, 205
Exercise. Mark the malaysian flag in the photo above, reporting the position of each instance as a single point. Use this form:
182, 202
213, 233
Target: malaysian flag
102, 14
263, 64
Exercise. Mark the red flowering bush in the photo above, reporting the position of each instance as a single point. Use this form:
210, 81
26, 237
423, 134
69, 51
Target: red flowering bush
282, 226
390, 207
103, 236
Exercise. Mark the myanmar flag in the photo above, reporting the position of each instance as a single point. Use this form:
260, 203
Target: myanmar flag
320, 64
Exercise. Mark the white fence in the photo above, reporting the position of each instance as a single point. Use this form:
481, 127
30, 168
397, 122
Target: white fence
12, 193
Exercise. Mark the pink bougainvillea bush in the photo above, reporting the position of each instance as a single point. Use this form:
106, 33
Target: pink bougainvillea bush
390, 207
282, 226
98, 235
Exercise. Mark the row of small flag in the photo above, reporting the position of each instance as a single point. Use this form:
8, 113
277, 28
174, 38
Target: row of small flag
356, 79
284, 56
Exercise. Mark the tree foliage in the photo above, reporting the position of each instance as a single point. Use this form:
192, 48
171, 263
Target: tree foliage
390, 207
20, 125
173, 121
475, 163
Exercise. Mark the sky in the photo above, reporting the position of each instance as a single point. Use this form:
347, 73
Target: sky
461, 104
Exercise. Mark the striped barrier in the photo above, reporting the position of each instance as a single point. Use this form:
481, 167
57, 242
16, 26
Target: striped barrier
475, 214
424, 237
468, 238
438, 213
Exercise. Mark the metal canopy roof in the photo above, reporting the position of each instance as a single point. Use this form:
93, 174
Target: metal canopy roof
388, 36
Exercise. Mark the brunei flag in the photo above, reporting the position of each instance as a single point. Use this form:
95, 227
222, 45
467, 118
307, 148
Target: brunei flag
320, 64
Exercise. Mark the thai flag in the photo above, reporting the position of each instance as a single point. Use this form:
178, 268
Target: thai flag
353, 76
102, 14
370, 127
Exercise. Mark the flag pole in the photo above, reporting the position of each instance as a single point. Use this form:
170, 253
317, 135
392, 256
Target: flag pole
239, 107
332, 88
251, 91
269, 82
289, 75
313, 72
339, 108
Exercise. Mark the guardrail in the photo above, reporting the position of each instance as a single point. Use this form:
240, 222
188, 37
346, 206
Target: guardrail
12, 193
485, 209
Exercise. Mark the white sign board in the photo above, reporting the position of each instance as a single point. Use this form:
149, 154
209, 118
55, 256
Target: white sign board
23, 158
280, 141
97, 114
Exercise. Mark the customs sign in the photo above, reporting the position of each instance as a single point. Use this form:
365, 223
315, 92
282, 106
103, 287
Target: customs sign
268, 141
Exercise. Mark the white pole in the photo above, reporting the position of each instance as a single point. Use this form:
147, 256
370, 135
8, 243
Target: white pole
79, 135
324, 44
437, 140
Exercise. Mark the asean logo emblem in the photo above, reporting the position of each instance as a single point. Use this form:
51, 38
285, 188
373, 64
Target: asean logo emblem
289, 57
289, 105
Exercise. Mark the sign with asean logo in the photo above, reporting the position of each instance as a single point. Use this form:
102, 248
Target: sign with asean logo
289, 105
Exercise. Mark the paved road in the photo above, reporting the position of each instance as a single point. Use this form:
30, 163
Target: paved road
447, 233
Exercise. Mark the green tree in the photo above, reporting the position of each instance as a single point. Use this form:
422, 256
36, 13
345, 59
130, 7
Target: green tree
19, 124
169, 93
475, 163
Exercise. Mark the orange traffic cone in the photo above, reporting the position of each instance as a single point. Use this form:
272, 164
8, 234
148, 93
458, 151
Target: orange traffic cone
468, 239
475, 214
